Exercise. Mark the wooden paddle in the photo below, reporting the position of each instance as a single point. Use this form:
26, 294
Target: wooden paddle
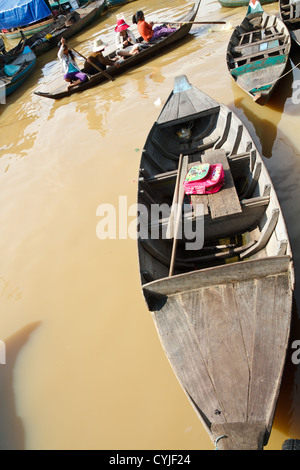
92, 63
190, 22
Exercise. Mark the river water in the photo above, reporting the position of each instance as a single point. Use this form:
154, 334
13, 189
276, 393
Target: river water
84, 366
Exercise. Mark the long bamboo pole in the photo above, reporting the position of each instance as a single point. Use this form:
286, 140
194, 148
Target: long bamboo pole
189, 22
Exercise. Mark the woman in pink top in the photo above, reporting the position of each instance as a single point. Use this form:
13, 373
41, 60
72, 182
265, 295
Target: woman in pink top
146, 29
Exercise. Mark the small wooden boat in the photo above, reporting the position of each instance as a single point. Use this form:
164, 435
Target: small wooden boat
66, 27
130, 62
290, 15
22, 13
258, 52
15, 68
241, 3
116, 3
216, 269
28, 30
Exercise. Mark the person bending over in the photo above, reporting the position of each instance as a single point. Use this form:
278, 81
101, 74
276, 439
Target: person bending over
97, 58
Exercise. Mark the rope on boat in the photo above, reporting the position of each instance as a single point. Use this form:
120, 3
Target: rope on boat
217, 440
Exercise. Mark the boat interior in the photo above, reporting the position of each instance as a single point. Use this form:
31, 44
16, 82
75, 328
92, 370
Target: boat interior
290, 12
259, 36
241, 221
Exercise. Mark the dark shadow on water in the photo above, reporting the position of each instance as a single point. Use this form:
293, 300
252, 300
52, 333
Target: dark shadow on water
266, 130
12, 435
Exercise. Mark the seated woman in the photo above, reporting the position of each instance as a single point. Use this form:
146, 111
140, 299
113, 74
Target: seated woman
124, 39
146, 29
72, 73
97, 58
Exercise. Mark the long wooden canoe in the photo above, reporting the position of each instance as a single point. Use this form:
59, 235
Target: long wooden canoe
130, 62
50, 36
217, 274
16, 71
290, 15
258, 52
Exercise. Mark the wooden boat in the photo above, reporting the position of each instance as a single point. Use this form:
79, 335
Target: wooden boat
15, 70
258, 52
116, 3
130, 62
241, 3
50, 36
28, 15
290, 15
222, 310
28, 30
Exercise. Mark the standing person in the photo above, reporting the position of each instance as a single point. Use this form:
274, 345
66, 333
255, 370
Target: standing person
72, 73
125, 39
146, 29
97, 58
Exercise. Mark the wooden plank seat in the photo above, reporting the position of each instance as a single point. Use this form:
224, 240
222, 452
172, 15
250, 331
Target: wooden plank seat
226, 201
265, 53
241, 47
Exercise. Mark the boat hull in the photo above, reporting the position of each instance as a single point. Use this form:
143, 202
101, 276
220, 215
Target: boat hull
222, 309
29, 59
130, 62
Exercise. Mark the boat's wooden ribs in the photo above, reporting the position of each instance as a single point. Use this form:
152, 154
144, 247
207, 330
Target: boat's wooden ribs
163, 151
252, 184
226, 129
153, 161
264, 236
210, 125
242, 47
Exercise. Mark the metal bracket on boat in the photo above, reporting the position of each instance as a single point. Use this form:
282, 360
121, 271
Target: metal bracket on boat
217, 440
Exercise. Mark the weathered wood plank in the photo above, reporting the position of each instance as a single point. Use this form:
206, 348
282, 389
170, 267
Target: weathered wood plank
270, 343
222, 346
226, 201
235, 272
182, 349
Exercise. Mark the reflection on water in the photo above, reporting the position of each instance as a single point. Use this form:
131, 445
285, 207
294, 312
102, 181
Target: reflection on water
87, 370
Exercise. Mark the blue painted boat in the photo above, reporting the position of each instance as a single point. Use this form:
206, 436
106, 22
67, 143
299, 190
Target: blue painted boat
15, 71
241, 3
258, 52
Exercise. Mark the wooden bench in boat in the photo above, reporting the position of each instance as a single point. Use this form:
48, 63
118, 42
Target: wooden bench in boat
264, 33
258, 44
224, 202
257, 53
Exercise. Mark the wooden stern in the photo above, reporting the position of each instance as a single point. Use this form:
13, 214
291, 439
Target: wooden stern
225, 332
